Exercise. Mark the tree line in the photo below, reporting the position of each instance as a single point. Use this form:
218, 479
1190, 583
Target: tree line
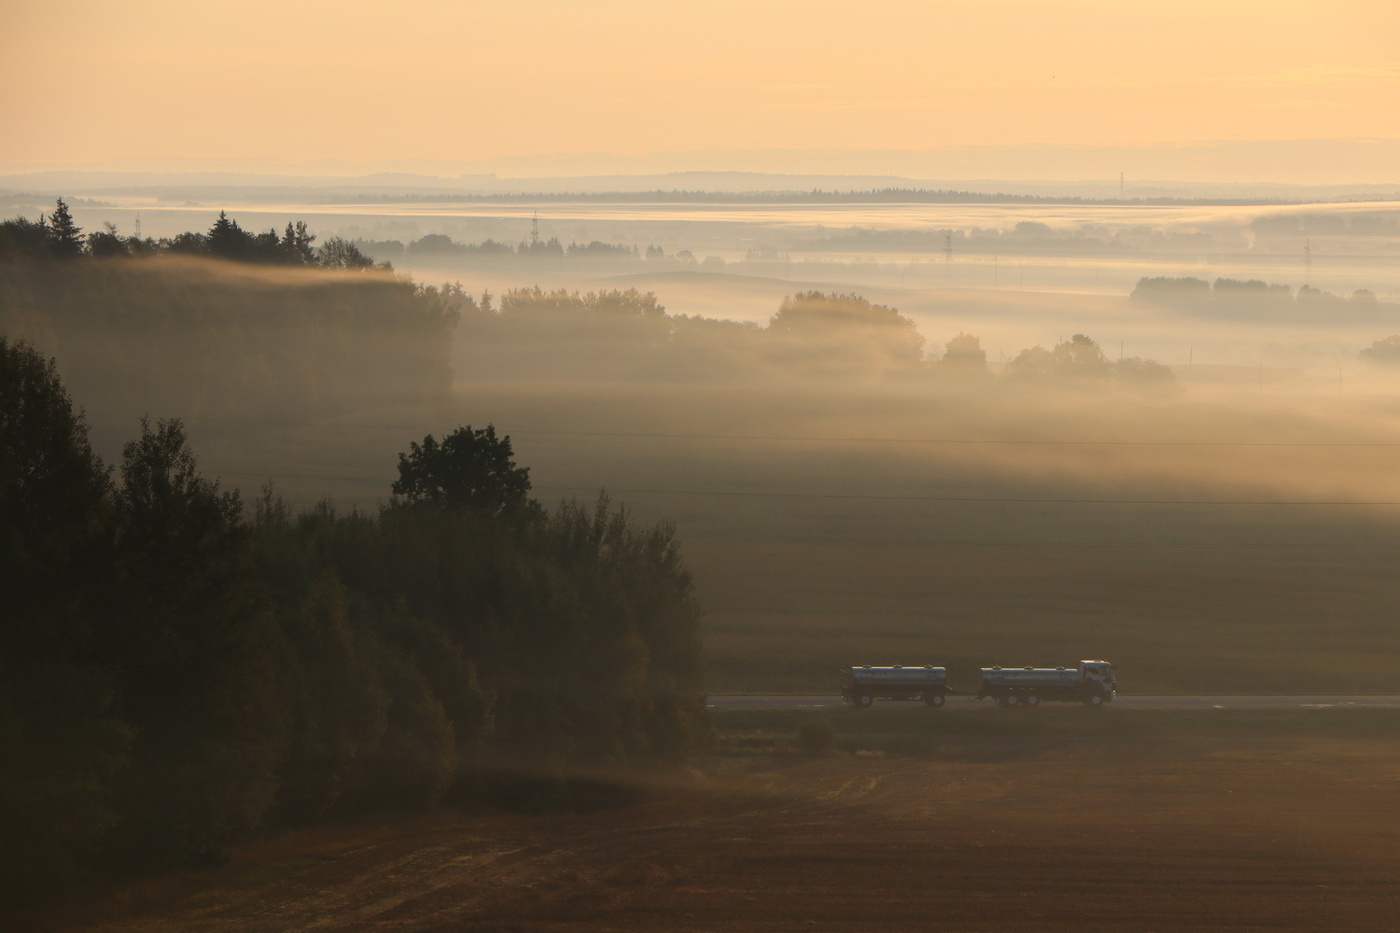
812, 196
627, 334
57, 236
179, 669
439, 247
222, 339
1250, 296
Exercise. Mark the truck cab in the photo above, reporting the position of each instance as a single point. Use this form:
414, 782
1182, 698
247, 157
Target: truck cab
1098, 679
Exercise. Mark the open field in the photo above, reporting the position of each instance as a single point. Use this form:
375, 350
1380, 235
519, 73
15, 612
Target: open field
1106, 821
1236, 531
1203, 542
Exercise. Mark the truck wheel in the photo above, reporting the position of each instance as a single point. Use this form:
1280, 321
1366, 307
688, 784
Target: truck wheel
1094, 700
1012, 700
863, 700
1032, 700
933, 699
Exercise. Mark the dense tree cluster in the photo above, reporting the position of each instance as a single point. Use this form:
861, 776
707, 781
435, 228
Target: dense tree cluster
833, 334
211, 340
176, 673
1079, 361
439, 247
1347, 224
1384, 353
56, 236
1225, 297
561, 335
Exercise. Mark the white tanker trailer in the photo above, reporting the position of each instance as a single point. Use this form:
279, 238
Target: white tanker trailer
864, 684
1091, 683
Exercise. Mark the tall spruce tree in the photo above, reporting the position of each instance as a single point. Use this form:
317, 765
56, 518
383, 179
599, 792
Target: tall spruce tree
227, 240
65, 236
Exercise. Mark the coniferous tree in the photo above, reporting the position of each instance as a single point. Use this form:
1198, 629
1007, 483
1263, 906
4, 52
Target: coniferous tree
296, 244
65, 236
227, 240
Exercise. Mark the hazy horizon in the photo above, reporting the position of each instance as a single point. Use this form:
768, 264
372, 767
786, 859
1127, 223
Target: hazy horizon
1218, 168
1194, 91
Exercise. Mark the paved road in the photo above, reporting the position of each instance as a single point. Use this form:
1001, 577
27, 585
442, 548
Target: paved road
1125, 701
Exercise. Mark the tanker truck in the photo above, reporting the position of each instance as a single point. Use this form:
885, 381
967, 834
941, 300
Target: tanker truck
864, 684
1091, 683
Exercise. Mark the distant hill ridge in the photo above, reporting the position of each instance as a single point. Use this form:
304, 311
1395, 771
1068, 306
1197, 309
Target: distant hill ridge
238, 187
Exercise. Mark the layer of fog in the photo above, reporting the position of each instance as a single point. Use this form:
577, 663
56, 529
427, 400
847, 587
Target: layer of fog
873, 499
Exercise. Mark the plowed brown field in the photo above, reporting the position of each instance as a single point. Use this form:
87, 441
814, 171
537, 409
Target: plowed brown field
999, 834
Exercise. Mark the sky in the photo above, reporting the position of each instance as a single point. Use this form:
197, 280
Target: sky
619, 85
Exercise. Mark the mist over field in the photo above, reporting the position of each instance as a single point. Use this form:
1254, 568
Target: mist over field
959, 434
453, 455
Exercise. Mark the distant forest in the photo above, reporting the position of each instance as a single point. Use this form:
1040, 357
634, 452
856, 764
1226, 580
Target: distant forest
842, 338
1255, 299
200, 325
1236, 297
203, 338
56, 236
815, 196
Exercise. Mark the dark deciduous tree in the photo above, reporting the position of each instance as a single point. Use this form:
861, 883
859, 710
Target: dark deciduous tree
847, 333
340, 253
60, 741
1384, 352
188, 244
193, 642
21, 237
106, 243
964, 359
471, 469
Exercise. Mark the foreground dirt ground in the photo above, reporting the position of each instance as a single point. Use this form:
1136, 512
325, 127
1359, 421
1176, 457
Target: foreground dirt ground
996, 834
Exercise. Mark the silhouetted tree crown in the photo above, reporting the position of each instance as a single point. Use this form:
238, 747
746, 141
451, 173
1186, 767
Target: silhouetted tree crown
65, 237
340, 253
964, 358
472, 469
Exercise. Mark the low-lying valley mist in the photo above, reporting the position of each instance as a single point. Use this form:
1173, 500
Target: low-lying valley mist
1180, 474
436, 526
732, 468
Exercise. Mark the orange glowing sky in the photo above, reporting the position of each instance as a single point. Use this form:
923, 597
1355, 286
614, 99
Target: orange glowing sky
401, 85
